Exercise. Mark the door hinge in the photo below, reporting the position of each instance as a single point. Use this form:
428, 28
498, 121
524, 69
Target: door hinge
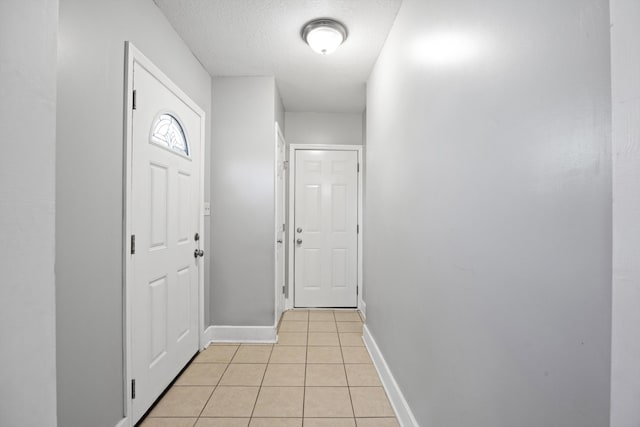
283, 289
358, 229
134, 99
283, 227
133, 244
133, 389
285, 164
358, 167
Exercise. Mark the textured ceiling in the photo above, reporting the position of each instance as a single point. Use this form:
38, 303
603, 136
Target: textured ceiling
262, 38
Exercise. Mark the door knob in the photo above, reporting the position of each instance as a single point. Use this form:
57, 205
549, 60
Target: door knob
299, 230
299, 241
198, 253
279, 240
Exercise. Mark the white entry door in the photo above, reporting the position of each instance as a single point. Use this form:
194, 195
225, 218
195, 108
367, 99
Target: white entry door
280, 221
165, 191
325, 228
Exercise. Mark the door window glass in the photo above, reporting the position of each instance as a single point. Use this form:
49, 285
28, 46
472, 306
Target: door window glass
168, 132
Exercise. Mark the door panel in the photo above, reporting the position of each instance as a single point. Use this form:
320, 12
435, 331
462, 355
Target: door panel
183, 295
185, 186
311, 263
326, 219
158, 212
339, 268
312, 208
339, 208
165, 217
158, 325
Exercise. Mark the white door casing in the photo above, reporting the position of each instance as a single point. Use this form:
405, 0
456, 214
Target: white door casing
280, 192
164, 278
325, 236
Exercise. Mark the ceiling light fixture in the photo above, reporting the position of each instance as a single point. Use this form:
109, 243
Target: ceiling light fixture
324, 35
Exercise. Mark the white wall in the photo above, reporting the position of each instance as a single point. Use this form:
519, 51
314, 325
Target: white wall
323, 128
625, 376
27, 212
488, 211
90, 192
242, 194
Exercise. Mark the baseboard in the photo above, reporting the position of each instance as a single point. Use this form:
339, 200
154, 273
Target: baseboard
398, 402
123, 423
363, 309
242, 334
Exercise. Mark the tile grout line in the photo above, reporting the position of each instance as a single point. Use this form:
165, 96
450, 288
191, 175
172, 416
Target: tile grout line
306, 355
344, 367
260, 387
216, 386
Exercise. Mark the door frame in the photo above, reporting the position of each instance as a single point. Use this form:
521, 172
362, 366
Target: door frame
133, 56
278, 291
292, 203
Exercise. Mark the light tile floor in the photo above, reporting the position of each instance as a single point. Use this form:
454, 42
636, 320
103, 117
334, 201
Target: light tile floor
319, 374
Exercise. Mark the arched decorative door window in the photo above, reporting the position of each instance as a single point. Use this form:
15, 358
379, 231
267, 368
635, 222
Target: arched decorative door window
167, 131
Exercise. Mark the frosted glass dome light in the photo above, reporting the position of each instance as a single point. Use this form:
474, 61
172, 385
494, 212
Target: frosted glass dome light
324, 35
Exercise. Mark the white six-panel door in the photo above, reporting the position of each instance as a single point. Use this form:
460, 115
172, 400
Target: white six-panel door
325, 228
165, 218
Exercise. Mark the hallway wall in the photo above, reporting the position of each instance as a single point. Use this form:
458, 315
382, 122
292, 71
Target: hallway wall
27, 212
242, 194
625, 76
89, 191
488, 211
323, 128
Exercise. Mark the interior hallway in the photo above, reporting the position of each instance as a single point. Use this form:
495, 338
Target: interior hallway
319, 374
501, 147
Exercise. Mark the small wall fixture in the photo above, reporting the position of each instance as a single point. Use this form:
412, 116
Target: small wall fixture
324, 35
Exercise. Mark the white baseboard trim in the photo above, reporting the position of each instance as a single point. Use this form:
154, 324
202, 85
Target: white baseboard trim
242, 334
123, 423
363, 309
398, 402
